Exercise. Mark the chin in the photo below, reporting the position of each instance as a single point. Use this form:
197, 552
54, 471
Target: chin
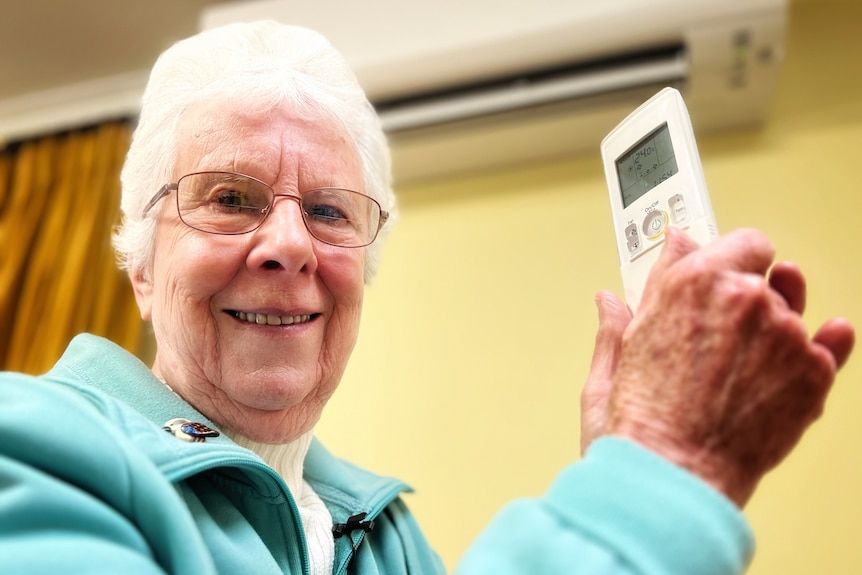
274, 427
275, 418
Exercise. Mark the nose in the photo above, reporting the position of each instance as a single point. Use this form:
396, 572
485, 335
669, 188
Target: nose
283, 241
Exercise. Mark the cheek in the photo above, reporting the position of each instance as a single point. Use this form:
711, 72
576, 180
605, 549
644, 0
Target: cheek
343, 273
344, 280
190, 268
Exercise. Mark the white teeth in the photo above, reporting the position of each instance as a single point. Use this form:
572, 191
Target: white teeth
270, 319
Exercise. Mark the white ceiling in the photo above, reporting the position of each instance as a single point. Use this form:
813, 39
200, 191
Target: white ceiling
49, 43
67, 63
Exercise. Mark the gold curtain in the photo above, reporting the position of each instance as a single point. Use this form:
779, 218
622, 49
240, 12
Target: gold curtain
59, 201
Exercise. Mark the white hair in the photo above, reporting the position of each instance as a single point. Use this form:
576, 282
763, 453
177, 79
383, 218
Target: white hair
259, 66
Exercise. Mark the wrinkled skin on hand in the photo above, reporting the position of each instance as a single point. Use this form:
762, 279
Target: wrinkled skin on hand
716, 371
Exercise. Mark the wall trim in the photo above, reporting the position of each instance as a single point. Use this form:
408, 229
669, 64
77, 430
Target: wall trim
71, 106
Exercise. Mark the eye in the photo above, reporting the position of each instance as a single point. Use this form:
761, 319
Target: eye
231, 198
328, 207
326, 212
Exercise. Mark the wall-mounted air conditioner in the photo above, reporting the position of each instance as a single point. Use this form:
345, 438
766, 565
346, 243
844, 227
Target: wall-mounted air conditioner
467, 85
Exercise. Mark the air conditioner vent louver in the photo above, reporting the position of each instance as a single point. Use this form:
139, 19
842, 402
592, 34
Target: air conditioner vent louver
664, 65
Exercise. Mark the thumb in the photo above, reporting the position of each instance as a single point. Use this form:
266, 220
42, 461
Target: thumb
614, 317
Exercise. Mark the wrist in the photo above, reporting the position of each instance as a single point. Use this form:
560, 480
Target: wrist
734, 480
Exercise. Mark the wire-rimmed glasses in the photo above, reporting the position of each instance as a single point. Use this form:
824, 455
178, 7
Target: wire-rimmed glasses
229, 203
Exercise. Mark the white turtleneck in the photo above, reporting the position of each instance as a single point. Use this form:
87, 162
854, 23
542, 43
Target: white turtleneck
287, 459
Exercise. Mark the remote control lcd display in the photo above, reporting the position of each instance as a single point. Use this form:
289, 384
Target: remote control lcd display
650, 162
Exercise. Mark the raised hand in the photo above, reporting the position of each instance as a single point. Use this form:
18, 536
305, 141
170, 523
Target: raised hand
716, 372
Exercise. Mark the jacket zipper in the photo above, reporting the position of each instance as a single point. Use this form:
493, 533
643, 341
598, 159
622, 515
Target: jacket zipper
241, 463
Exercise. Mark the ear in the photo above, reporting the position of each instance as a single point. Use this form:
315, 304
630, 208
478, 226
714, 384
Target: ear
143, 288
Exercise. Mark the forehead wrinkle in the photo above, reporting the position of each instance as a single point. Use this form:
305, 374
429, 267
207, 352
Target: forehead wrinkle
344, 158
229, 149
226, 139
198, 141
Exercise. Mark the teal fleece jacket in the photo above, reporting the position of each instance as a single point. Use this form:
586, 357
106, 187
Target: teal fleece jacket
91, 483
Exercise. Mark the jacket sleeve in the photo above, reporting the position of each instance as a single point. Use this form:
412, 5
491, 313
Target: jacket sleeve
75, 497
620, 510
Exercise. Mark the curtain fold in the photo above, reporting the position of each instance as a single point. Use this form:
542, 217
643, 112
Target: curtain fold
59, 202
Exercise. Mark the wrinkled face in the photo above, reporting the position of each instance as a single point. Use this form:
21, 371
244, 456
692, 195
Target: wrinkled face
207, 293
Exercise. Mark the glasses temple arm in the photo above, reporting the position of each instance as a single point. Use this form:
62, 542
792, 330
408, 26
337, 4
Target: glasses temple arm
163, 191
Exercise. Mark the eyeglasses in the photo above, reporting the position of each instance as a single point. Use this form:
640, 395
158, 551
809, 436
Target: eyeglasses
232, 204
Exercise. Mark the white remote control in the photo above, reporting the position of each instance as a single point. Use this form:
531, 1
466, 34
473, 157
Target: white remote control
655, 180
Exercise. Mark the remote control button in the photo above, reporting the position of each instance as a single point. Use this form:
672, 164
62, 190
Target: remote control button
654, 224
633, 240
678, 212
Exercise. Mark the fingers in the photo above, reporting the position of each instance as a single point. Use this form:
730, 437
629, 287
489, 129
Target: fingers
746, 251
838, 337
786, 279
677, 245
743, 250
614, 317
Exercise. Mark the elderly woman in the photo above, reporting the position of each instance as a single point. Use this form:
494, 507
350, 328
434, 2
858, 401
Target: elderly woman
254, 194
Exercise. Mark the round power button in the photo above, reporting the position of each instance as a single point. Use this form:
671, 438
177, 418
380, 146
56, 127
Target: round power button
654, 224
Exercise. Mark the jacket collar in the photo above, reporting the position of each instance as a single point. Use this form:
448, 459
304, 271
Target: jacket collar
140, 404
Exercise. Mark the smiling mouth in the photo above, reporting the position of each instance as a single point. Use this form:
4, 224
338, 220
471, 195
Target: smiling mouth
271, 319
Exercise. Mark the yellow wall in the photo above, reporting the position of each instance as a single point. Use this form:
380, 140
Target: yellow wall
478, 330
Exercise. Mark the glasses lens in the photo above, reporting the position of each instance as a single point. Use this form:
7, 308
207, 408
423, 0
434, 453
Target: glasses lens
222, 203
341, 217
